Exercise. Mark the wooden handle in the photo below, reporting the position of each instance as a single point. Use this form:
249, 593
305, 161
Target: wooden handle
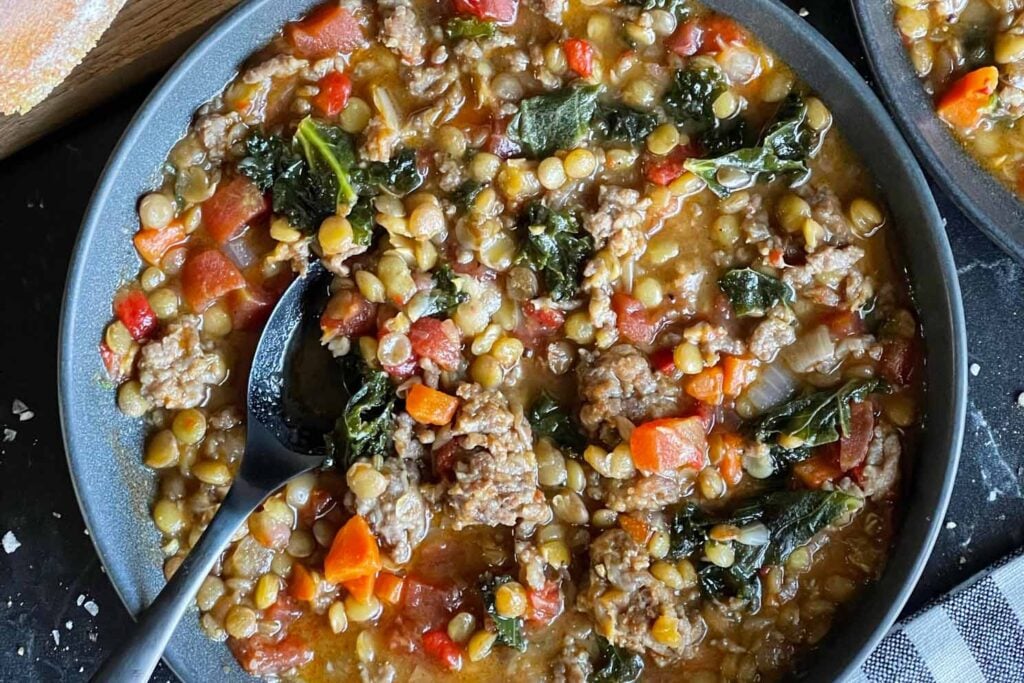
146, 37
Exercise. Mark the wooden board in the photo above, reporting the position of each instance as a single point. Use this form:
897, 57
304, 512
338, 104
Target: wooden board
146, 37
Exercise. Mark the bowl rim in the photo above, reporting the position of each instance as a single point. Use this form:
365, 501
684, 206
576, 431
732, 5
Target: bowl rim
987, 202
788, 36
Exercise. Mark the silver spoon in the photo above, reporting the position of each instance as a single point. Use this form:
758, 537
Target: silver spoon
284, 438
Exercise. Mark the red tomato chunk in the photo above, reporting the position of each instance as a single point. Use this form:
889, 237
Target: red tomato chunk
327, 30
134, 311
443, 649
335, 89
580, 56
207, 276
502, 11
232, 207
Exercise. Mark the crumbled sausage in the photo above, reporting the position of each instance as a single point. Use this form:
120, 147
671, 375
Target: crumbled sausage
644, 492
882, 466
176, 370
399, 517
495, 470
403, 33
825, 273
618, 220
217, 132
619, 385
773, 334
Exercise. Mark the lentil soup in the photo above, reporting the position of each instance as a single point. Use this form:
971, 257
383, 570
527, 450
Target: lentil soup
970, 56
628, 371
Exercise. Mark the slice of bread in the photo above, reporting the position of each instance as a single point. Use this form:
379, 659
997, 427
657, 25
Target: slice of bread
41, 41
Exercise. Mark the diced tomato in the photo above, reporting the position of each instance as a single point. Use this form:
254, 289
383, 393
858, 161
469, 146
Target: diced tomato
335, 89
632, 319
853, 448
437, 340
821, 467
663, 360
538, 323
843, 324
427, 604
580, 56
898, 360
719, 32
686, 41
250, 307
152, 244
669, 443
207, 276
543, 606
776, 258
262, 656
233, 206
284, 611
117, 369
327, 30
403, 370
348, 314
134, 311
663, 170
443, 649
502, 11
444, 460
708, 415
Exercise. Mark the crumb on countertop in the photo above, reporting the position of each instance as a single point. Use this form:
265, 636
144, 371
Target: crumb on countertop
10, 542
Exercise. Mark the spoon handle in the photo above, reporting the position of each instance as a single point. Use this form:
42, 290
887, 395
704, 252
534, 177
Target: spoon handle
135, 660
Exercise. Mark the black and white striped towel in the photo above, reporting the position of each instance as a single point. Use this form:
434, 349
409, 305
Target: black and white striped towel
975, 634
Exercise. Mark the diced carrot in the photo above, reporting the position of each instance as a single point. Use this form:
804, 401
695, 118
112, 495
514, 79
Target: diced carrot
327, 30
388, 588
232, 207
303, 583
725, 450
819, 468
152, 244
361, 588
708, 385
669, 443
335, 89
579, 54
353, 554
738, 372
637, 528
207, 276
430, 406
968, 97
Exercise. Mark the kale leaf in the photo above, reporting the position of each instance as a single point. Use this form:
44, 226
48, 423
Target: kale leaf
786, 146
557, 247
508, 629
468, 27
466, 193
624, 123
399, 176
361, 218
364, 430
267, 157
752, 293
726, 137
690, 97
545, 123
687, 531
445, 294
617, 664
329, 152
816, 418
549, 419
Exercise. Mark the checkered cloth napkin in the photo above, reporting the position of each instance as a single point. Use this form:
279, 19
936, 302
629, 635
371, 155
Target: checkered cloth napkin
973, 634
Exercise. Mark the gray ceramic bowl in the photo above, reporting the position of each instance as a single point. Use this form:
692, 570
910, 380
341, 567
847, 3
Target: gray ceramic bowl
986, 201
103, 446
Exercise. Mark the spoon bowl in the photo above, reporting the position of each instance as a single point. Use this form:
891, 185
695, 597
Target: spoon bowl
284, 438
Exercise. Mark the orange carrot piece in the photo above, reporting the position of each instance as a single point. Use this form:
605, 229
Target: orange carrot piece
388, 588
637, 528
354, 553
303, 583
707, 386
430, 406
737, 373
818, 469
361, 588
725, 450
964, 102
669, 443
152, 244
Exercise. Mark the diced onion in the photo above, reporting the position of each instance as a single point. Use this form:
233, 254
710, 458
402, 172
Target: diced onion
773, 385
809, 350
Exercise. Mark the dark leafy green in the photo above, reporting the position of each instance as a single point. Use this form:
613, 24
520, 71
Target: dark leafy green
545, 123
752, 293
267, 157
465, 193
725, 138
328, 151
549, 419
509, 630
786, 146
360, 216
557, 247
816, 418
445, 294
687, 531
364, 430
624, 123
690, 97
616, 664
399, 176
468, 27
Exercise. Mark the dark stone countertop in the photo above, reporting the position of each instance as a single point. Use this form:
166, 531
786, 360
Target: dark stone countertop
52, 585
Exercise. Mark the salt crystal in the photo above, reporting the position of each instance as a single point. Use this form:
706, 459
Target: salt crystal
975, 369
1020, 399
80, 600
9, 435
26, 416
56, 515
10, 542
21, 651
68, 624
56, 637
950, 525
18, 406
91, 607
804, 12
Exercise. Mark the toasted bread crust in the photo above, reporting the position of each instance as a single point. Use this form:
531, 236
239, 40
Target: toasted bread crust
42, 41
